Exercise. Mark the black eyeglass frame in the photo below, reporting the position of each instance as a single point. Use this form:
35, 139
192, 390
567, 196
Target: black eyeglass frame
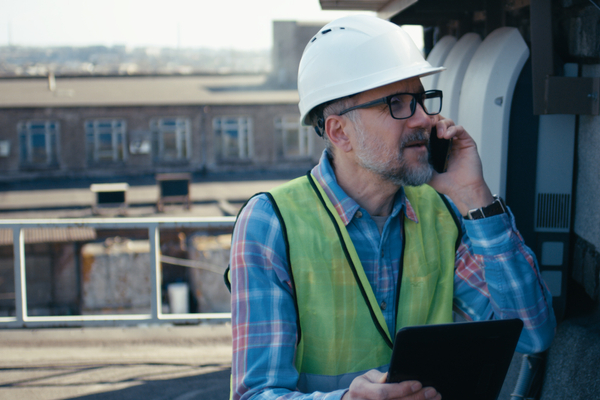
416, 98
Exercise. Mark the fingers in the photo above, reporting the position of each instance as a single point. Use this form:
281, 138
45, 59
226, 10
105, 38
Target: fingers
372, 386
382, 378
441, 125
447, 129
410, 390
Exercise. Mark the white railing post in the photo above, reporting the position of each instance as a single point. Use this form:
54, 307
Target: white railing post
20, 279
156, 275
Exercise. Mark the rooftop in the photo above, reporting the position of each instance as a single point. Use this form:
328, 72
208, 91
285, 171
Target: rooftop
141, 91
208, 198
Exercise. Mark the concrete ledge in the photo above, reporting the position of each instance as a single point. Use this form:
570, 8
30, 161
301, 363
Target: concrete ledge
573, 365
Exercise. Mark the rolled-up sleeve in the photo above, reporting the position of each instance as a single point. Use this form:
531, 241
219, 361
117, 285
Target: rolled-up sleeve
497, 277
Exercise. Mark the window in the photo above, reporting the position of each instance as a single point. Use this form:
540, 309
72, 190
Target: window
234, 137
38, 142
170, 138
105, 140
297, 140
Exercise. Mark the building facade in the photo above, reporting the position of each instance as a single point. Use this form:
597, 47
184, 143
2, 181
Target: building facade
133, 125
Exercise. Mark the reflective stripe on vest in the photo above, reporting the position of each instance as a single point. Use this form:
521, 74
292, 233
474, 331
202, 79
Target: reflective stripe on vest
343, 331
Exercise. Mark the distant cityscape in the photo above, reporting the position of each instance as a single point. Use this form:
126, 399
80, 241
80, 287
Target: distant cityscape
17, 61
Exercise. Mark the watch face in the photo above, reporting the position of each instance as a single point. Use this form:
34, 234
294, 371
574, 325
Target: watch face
476, 214
496, 208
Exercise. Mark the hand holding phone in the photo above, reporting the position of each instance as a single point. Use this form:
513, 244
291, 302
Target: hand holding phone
439, 151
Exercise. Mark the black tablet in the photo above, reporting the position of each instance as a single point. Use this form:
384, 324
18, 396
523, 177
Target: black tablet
462, 361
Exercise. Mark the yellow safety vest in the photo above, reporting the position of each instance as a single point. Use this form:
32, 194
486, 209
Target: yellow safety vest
341, 327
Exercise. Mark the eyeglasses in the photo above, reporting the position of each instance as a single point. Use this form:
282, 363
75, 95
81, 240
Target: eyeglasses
404, 105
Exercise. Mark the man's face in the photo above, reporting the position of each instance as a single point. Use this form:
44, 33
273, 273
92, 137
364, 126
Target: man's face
396, 150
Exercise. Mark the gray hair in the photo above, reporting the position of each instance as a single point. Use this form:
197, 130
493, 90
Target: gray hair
334, 107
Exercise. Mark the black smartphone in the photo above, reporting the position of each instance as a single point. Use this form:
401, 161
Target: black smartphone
439, 151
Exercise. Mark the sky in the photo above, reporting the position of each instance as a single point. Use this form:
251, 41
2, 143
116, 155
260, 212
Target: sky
240, 24
232, 24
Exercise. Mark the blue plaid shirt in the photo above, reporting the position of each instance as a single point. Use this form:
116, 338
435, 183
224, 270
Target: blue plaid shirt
496, 277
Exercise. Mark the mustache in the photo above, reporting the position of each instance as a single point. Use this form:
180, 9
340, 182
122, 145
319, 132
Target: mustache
420, 135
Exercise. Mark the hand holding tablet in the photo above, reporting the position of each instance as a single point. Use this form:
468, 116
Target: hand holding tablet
462, 361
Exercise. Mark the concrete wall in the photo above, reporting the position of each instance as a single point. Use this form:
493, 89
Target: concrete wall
116, 277
116, 274
212, 252
289, 40
7, 285
582, 28
586, 263
65, 277
51, 276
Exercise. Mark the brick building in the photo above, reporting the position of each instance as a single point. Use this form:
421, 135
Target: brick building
99, 126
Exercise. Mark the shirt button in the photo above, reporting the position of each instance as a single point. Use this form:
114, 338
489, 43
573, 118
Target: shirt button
358, 214
383, 305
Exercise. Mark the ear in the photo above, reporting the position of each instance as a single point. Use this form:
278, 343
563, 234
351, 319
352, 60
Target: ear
336, 127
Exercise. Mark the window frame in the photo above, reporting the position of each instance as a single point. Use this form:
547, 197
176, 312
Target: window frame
244, 127
183, 139
283, 125
115, 131
51, 138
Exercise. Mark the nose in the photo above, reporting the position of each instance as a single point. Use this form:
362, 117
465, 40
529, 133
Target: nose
420, 119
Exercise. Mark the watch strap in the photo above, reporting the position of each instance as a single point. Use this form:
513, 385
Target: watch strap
496, 208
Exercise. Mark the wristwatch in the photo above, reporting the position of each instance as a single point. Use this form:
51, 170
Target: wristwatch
496, 208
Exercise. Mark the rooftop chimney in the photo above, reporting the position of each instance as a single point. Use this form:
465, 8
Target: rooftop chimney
51, 81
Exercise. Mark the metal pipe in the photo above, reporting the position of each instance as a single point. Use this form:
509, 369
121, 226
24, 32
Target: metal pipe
20, 277
156, 301
542, 63
529, 380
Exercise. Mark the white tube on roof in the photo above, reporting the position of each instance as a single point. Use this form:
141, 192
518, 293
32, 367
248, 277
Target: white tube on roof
436, 58
451, 79
486, 98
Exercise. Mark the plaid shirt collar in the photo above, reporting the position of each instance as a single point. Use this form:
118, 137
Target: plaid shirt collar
344, 204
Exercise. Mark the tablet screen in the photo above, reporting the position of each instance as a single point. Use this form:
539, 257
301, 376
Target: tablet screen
462, 361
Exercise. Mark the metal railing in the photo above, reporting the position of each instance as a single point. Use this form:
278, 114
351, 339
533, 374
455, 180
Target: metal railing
21, 319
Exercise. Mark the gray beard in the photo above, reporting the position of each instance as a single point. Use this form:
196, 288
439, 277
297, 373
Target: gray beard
390, 164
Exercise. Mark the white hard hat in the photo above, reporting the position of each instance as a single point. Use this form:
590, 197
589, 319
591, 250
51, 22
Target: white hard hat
354, 54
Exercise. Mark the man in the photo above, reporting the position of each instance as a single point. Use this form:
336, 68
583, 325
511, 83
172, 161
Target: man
326, 268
